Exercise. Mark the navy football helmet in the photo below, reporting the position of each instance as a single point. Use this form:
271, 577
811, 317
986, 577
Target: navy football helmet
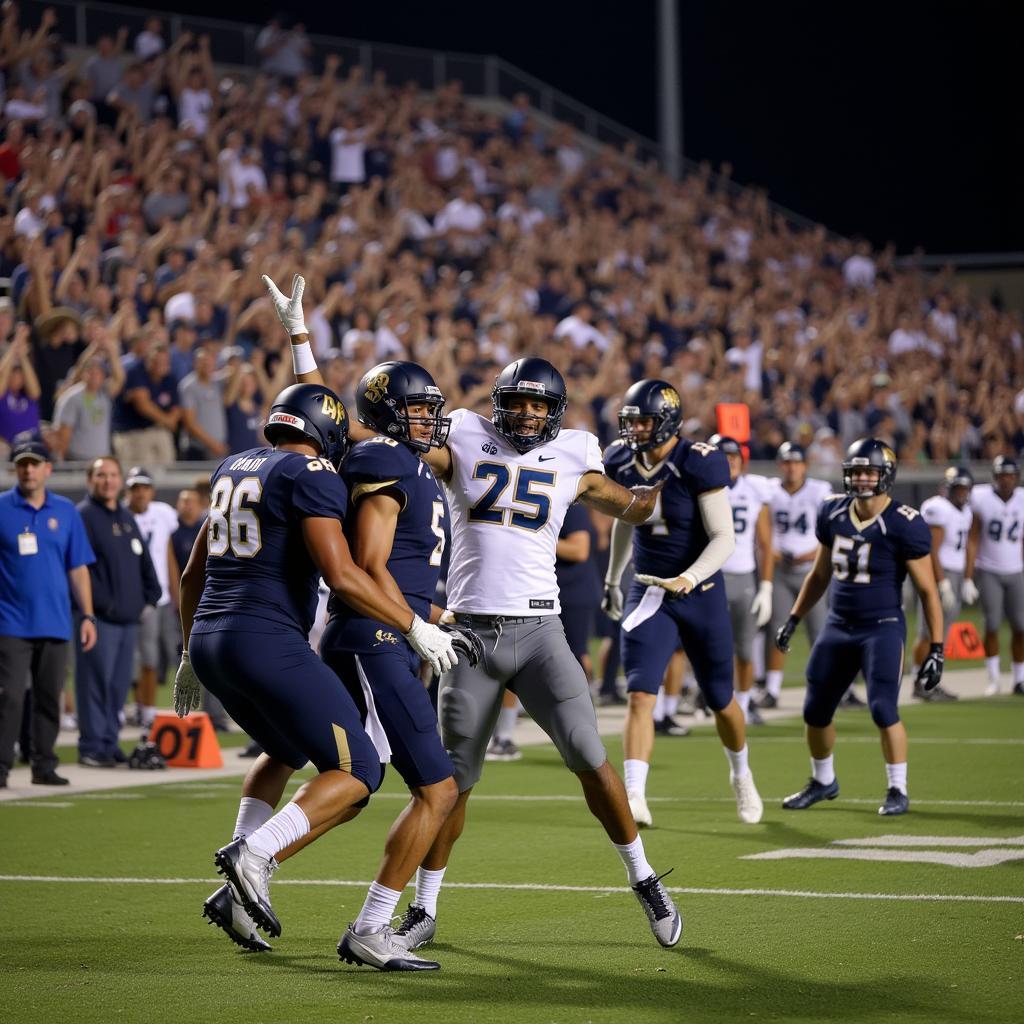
958, 477
726, 444
790, 452
650, 399
313, 412
1002, 466
871, 453
383, 398
530, 377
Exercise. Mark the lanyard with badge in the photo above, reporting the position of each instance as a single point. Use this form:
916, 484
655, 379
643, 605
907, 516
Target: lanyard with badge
28, 543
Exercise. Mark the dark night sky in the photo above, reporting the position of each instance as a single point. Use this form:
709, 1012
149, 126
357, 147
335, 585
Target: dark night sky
891, 120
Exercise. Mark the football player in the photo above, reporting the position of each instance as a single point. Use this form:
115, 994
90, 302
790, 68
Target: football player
995, 567
748, 576
867, 543
678, 592
948, 516
396, 529
794, 503
248, 596
509, 481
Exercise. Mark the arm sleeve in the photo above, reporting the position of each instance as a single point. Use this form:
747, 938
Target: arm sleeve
620, 550
716, 513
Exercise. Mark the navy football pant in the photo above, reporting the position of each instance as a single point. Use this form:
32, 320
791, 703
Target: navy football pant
701, 621
402, 705
286, 699
842, 650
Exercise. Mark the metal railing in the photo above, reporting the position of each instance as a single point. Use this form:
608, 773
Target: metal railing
234, 43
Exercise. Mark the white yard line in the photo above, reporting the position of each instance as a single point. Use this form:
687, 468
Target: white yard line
540, 887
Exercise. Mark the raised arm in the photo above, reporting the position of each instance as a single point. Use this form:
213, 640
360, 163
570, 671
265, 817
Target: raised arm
633, 505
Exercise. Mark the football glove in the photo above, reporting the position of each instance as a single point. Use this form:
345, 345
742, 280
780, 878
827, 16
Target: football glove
676, 586
946, 596
761, 607
466, 642
289, 307
785, 633
968, 591
930, 672
187, 688
611, 603
432, 644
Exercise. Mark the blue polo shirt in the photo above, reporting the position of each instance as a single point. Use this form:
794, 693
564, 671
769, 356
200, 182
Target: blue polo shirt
35, 599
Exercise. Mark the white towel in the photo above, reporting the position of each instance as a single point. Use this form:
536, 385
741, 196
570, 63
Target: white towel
372, 725
649, 604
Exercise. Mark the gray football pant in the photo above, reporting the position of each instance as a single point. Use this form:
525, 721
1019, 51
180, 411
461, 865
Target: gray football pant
741, 589
1002, 596
531, 657
948, 618
786, 586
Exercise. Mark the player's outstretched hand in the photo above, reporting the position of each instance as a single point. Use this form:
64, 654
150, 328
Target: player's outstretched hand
968, 591
432, 644
676, 585
466, 642
947, 596
761, 607
289, 307
187, 690
930, 672
611, 602
785, 633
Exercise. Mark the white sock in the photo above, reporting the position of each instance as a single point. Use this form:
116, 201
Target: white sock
286, 827
147, 715
428, 885
378, 909
757, 655
252, 814
1018, 672
659, 704
824, 770
739, 762
689, 681
635, 775
633, 856
897, 776
992, 667
773, 681
506, 727
743, 699
671, 704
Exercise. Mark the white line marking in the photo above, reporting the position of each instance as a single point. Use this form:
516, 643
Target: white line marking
930, 841
915, 741
535, 887
981, 859
59, 804
108, 796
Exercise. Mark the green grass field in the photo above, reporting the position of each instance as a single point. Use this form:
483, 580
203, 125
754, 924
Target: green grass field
537, 924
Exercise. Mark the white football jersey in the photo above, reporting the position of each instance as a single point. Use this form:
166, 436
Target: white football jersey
1002, 530
507, 510
747, 496
956, 525
794, 516
156, 525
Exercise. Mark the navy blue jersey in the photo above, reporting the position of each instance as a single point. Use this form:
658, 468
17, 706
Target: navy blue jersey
672, 539
383, 464
578, 582
869, 560
258, 566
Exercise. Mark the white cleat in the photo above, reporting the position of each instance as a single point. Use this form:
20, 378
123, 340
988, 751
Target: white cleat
994, 688
748, 801
379, 949
639, 809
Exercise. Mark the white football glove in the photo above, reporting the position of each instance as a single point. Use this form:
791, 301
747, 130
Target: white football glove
761, 606
289, 307
946, 596
187, 688
611, 602
432, 644
968, 591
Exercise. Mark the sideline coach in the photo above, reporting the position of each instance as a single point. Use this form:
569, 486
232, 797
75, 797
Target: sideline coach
43, 548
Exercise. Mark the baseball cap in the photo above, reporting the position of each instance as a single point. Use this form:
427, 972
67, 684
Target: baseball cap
33, 449
138, 475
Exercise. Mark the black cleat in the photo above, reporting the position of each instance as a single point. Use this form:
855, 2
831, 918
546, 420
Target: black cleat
851, 700
228, 914
416, 928
766, 701
896, 802
249, 875
668, 726
1018, 689
754, 716
936, 696
811, 794
50, 778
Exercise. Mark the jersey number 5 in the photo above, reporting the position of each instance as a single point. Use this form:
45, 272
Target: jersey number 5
233, 522
526, 479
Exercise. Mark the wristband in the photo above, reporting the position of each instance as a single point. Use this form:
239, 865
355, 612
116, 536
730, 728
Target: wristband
303, 359
89, 618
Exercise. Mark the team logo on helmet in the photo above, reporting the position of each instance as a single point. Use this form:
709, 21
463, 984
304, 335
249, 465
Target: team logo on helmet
333, 407
671, 397
377, 387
